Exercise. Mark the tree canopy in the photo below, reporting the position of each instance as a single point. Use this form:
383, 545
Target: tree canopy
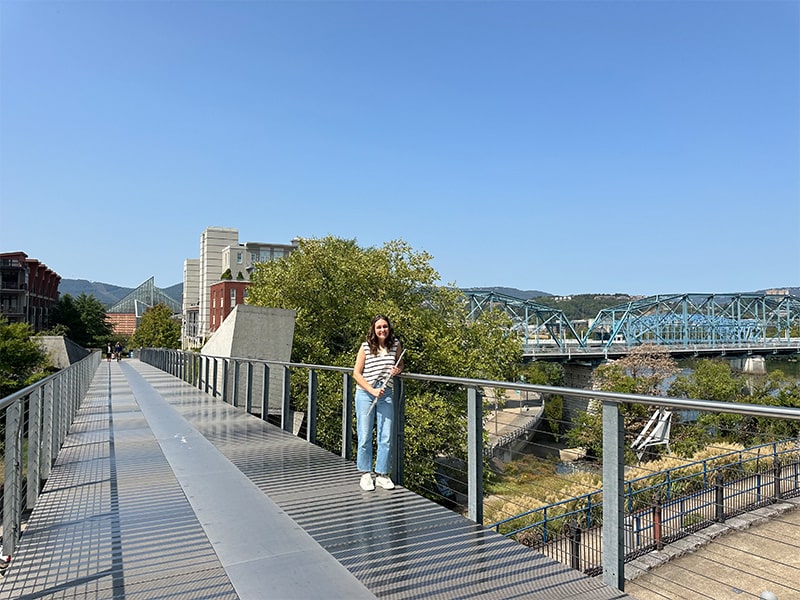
157, 329
336, 287
22, 360
83, 320
714, 380
645, 370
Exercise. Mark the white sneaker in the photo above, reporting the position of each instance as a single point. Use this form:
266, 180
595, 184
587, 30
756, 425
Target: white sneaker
366, 482
385, 482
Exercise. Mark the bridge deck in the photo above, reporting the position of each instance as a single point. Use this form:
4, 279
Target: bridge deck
161, 491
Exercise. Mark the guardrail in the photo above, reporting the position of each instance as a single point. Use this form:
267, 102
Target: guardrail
237, 381
662, 507
36, 420
38, 417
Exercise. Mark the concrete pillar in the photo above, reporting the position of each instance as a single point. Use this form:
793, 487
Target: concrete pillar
576, 375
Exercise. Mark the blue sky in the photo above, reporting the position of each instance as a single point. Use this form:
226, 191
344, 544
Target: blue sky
570, 147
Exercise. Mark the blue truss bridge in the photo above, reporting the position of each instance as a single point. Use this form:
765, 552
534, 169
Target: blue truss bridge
686, 324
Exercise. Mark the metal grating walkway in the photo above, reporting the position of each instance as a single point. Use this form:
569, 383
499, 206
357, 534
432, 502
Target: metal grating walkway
162, 492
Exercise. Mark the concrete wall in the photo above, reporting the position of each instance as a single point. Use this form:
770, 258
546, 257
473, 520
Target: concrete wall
258, 333
753, 365
62, 351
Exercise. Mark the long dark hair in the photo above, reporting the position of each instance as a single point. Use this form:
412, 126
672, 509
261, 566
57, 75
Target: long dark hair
372, 339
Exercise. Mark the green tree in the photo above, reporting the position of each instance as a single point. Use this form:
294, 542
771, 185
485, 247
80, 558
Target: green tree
546, 373
644, 370
158, 329
714, 380
22, 360
95, 321
336, 287
84, 319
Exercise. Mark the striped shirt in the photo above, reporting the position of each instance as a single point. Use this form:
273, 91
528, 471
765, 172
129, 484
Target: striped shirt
378, 367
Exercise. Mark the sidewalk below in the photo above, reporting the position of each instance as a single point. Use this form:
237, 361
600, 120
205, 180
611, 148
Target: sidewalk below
741, 558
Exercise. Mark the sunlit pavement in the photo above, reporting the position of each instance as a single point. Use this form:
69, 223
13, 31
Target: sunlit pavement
761, 554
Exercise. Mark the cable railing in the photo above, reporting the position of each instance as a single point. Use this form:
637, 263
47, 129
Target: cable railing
662, 507
317, 403
321, 400
34, 422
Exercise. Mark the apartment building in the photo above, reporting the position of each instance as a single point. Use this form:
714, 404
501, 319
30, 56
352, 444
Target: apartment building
223, 262
28, 290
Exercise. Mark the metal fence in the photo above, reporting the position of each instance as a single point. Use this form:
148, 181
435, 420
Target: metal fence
663, 507
459, 481
35, 422
299, 397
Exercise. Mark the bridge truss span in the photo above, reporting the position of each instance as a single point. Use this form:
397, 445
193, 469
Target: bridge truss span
680, 322
708, 320
536, 323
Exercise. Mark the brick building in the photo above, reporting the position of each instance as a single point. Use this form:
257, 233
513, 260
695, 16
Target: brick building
28, 290
224, 296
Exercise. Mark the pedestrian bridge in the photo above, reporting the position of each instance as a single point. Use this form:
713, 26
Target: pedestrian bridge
161, 490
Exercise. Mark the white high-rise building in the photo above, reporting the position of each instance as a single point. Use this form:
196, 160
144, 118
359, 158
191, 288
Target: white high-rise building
190, 333
212, 242
220, 251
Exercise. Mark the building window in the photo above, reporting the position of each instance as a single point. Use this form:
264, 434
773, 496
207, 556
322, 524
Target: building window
233, 298
238, 258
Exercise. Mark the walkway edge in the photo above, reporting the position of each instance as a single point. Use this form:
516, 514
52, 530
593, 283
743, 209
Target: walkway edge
256, 541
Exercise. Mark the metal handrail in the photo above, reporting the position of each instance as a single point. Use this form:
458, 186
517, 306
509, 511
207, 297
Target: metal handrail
613, 433
37, 419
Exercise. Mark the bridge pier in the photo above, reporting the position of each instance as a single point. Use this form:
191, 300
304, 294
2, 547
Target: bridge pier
753, 365
576, 375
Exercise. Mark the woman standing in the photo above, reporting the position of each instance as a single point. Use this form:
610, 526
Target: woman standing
379, 360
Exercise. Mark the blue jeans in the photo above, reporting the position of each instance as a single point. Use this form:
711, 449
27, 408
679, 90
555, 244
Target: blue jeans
365, 420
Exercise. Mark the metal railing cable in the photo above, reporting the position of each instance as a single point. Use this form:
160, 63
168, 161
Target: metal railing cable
253, 385
36, 420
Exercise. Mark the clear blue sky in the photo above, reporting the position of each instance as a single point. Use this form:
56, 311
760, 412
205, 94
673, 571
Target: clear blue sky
571, 147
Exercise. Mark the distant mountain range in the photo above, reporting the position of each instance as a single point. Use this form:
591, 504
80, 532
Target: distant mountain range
109, 294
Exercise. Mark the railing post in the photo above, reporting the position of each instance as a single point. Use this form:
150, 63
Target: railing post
265, 394
719, 498
574, 545
235, 396
248, 396
311, 408
613, 480
214, 381
12, 496
286, 416
347, 416
226, 364
657, 530
398, 431
475, 455
34, 445
776, 466
47, 432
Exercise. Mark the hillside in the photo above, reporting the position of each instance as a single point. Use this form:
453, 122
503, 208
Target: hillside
109, 294
509, 291
575, 307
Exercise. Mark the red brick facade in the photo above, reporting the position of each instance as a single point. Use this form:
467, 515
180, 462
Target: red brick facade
123, 323
224, 296
28, 290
